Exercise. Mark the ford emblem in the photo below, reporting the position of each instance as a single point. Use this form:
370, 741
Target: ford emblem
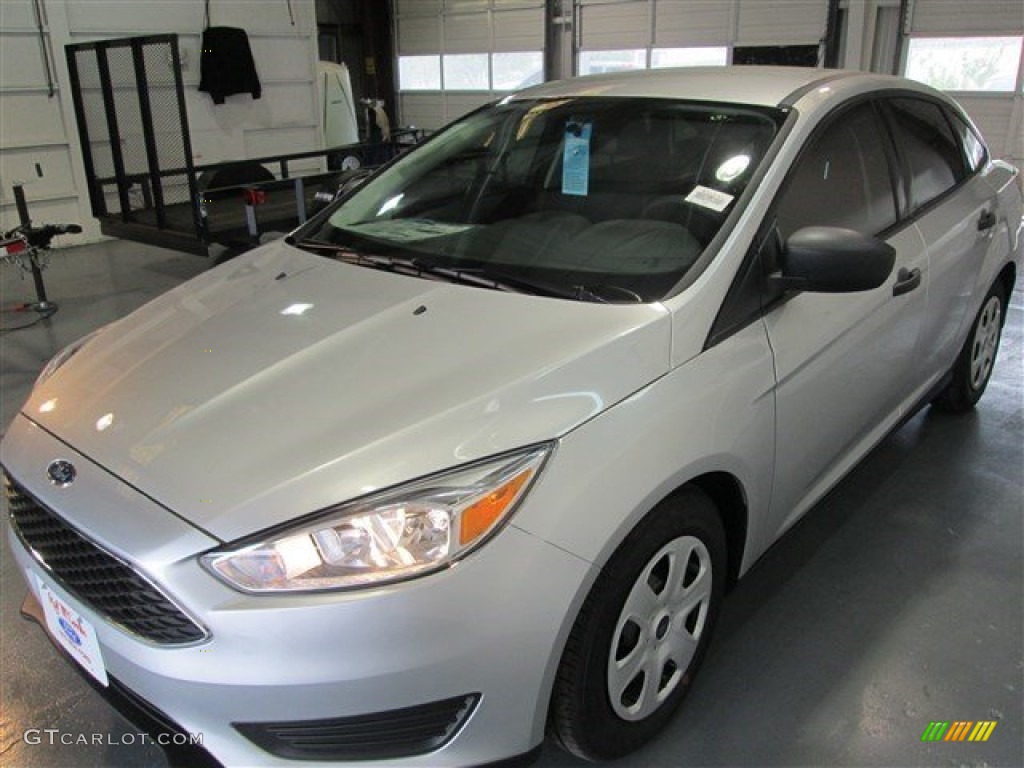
61, 473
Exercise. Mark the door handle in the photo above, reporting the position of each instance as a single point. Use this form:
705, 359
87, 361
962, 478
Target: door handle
906, 281
987, 220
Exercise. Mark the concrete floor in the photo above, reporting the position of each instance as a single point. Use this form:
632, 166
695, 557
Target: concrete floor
898, 600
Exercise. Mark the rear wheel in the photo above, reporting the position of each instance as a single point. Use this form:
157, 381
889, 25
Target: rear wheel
973, 367
642, 631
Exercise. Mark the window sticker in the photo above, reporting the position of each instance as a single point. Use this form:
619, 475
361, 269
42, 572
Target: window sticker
709, 198
576, 158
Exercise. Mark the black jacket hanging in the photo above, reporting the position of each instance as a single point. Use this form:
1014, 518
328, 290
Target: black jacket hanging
226, 66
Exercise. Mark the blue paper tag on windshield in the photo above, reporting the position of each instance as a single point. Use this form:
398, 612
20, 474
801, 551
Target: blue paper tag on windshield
576, 158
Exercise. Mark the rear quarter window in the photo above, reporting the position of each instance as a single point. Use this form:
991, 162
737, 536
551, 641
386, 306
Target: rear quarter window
975, 153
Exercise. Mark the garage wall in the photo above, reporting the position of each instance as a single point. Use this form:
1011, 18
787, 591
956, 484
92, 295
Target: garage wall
456, 55
33, 125
36, 128
976, 39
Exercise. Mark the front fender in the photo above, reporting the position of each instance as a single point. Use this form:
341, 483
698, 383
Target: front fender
715, 413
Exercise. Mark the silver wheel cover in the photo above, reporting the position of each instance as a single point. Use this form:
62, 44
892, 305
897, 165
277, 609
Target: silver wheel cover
985, 342
659, 628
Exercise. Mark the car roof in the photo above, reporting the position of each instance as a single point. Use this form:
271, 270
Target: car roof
764, 86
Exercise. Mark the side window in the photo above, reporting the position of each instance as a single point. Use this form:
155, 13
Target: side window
974, 148
842, 179
928, 147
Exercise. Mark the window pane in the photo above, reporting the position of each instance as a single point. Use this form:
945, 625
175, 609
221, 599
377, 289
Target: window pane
596, 62
777, 55
842, 180
513, 71
466, 72
625, 216
689, 57
419, 73
973, 146
926, 142
965, 63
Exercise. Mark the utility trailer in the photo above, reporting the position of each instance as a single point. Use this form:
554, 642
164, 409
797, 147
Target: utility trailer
143, 183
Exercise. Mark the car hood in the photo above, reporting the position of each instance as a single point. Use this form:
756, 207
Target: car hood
285, 382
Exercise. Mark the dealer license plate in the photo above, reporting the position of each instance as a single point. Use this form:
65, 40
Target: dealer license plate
74, 633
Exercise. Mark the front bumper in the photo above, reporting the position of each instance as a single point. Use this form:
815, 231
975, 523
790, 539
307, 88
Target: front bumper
179, 746
492, 626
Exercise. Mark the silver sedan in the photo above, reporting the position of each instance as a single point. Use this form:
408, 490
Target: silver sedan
474, 454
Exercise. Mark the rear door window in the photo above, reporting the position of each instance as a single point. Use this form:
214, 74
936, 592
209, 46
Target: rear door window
974, 149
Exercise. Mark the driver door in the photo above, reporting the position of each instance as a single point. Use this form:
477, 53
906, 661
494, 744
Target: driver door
843, 361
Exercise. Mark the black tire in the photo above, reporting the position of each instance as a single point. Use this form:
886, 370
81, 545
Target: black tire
973, 367
601, 709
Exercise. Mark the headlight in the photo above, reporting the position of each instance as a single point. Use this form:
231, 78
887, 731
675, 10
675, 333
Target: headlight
63, 356
391, 536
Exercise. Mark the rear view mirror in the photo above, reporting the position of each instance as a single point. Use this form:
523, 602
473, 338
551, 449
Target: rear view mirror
834, 260
342, 185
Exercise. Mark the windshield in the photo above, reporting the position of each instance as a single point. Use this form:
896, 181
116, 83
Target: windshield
600, 199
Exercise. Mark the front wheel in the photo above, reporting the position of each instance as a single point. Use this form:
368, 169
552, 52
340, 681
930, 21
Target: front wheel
973, 367
642, 631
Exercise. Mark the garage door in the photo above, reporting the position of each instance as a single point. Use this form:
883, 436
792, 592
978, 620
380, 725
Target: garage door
636, 34
977, 57
456, 55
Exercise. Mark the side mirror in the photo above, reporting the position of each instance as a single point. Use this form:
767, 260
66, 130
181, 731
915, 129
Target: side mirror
834, 260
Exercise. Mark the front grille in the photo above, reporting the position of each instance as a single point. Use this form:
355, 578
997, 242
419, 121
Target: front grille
97, 578
394, 734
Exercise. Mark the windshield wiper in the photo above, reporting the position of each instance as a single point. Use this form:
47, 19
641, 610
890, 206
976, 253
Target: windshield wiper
469, 276
587, 293
562, 291
528, 285
322, 245
478, 276
406, 266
